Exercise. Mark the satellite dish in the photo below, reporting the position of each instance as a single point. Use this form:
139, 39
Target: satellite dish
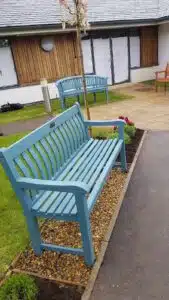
47, 44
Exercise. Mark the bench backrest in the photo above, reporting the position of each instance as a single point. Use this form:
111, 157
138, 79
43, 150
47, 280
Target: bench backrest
75, 82
45, 151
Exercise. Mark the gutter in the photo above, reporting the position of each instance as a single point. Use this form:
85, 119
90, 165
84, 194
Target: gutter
57, 28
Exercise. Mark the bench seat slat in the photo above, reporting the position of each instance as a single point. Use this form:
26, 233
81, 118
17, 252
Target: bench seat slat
63, 204
85, 167
95, 161
81, 153
99, 164
48, 206
78, 160
102, 178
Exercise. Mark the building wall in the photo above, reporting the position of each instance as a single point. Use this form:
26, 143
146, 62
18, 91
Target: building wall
26, 95
30, 94
33, 63
143, 74
163, 51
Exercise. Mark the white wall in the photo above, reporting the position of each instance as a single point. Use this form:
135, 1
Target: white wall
28, 94
163, 45
143, 74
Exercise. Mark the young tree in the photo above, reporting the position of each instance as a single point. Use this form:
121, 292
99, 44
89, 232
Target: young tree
76, 15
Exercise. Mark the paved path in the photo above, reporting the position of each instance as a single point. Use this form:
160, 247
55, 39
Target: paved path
136, 264
22, 126
148, 109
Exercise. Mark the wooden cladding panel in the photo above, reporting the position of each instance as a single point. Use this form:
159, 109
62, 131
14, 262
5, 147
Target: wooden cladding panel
32, 63
149, 46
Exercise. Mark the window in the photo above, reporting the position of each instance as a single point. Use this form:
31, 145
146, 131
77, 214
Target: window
135, 51
149, 46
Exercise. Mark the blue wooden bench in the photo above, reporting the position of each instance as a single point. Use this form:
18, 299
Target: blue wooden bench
58, 172
72, 86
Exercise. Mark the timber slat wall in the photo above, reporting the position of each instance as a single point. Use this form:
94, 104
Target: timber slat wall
149, 46
32, 63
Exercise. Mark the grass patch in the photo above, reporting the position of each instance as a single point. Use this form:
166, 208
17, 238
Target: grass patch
152, 83
13, 233
149, 82
37, 110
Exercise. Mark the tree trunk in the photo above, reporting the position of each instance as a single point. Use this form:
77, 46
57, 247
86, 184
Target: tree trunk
78, 32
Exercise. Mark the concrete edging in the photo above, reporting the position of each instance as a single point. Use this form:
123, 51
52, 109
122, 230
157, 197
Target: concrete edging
89, 288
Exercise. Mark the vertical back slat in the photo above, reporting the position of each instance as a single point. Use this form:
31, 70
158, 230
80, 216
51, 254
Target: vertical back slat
54, 150
35, 154
44, 159
59, 153
65, 139
60, 140
29, 159
73, 135
79, 132
82, 127
49, 156
76, 132
69, 138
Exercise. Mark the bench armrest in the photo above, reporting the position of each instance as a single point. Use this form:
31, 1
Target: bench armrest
118, 123
105, 123
50, 185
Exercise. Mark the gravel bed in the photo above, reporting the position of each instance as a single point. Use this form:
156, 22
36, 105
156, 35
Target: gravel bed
68, 267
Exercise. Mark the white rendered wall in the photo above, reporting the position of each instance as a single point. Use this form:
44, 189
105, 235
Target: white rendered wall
143, 74
24, 95
163, 45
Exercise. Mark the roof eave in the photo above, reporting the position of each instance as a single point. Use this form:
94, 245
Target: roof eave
57, 28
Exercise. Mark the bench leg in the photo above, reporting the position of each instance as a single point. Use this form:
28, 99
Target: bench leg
85, 229
123, 158
34, 232
78, 99
62, 103
156, 85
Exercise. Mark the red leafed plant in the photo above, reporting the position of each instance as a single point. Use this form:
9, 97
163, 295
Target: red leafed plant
126, 119
129, 130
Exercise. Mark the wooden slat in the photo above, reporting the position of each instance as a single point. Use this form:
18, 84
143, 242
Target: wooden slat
149, 46
33, 63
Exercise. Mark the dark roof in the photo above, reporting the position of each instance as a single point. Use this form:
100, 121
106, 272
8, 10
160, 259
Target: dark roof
25, 13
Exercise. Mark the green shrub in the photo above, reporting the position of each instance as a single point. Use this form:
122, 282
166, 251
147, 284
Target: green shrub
19, 287
130, 130
127, 138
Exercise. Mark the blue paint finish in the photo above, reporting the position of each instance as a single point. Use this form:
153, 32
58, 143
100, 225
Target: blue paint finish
58, 172
73, 86
83, 218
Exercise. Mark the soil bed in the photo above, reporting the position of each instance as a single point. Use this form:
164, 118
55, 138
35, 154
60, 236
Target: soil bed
65, 268
132, 148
